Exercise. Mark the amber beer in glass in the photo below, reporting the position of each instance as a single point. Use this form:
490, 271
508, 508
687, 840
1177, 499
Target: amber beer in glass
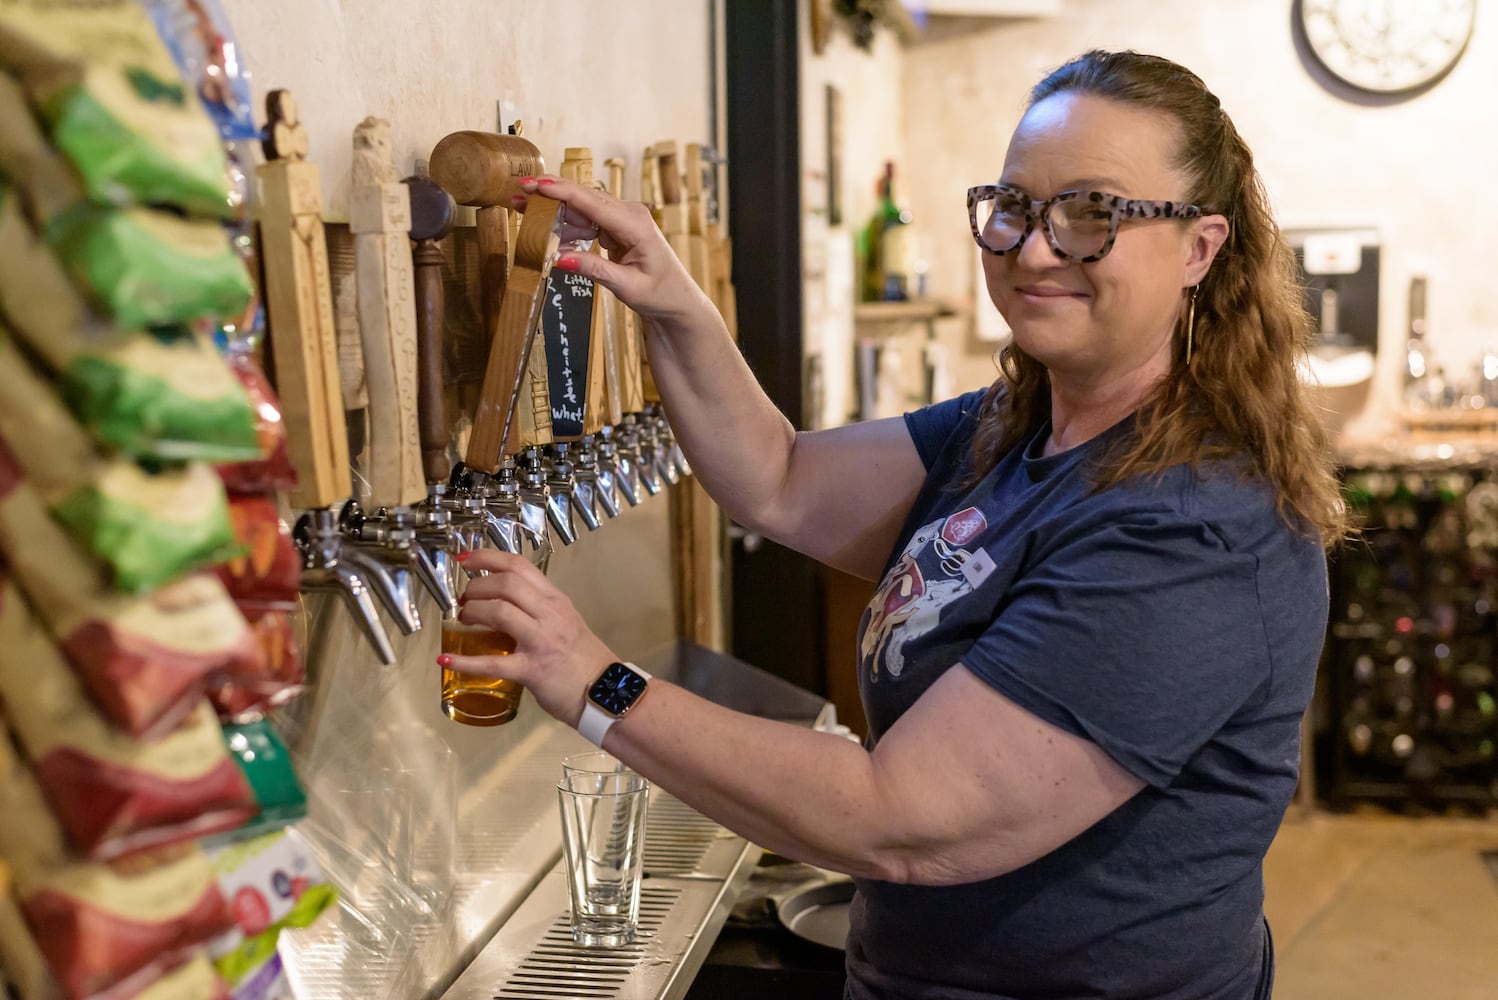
477, 699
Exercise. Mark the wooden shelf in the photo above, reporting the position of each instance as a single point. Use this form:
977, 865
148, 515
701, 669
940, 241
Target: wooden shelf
920, 311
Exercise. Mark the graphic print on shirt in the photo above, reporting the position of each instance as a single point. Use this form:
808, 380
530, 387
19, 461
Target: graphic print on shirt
927, 577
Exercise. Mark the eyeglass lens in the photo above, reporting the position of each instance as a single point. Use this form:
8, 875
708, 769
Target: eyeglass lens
1078, 226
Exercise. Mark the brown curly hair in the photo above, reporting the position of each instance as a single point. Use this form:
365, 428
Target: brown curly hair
1240, 394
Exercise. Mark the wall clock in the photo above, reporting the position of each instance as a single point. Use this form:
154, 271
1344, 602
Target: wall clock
1386, 47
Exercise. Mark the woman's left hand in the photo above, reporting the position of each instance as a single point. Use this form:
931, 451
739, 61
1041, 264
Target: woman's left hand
556, 655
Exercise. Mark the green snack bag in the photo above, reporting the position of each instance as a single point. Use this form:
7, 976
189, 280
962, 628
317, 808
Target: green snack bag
148, 527
144, 267
47, 182
115, 105
165, 395
266, 764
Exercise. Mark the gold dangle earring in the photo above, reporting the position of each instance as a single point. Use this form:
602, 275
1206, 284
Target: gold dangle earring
1190, 324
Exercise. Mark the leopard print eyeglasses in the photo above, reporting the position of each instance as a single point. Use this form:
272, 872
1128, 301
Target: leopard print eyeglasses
1080, 226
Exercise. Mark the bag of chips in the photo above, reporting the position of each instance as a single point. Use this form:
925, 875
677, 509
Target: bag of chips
164, 394
267, 575
144, 267
114, 103
273, 470
149, 527
113, 795
145, 660
102, 926
47, 183
246, 690
274, 884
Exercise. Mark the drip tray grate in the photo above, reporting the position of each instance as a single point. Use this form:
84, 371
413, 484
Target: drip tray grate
559, 967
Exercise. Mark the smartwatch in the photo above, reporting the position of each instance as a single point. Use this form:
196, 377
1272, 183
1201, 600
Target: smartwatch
618, 689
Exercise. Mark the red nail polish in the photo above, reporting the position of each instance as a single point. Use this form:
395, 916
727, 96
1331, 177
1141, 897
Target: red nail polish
527, 180
546, 180
462, 556
567, 263
517, 197
444, 660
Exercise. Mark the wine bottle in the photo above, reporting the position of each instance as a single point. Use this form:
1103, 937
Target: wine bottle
888, 252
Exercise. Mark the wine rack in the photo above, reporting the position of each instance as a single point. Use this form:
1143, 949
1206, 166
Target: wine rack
1413, 636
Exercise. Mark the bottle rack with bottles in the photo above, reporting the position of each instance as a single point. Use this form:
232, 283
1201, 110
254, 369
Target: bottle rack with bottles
1410, 656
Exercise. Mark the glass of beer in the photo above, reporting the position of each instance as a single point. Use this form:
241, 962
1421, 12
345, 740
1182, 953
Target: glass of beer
477, 699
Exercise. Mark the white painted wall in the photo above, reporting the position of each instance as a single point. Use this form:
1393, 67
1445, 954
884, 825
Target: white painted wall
1420, 172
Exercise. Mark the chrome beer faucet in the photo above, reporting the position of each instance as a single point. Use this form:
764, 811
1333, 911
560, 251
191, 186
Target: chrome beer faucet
560, 484
669, 458
616, 471
388, 570
595, 489
326, 570
534, 506
392, 535
637, 453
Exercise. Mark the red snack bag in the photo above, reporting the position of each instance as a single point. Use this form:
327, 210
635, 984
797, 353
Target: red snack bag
242, 695
145, 659
273, 470
113, 795
268, 576
102, 927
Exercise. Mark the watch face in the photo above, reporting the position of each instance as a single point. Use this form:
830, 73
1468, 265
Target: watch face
616, 689
1387, 46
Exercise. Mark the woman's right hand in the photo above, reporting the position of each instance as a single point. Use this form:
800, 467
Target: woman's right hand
642, 269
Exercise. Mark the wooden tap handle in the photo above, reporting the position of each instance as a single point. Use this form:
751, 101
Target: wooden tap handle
483, 168
299, 307
426, 260
496, 420
380, 221
626, 323
431, 220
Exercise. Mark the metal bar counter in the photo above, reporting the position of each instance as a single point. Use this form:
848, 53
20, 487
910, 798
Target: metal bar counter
450, 865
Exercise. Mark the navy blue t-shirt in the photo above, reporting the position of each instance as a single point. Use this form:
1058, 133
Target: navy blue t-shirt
1176, 622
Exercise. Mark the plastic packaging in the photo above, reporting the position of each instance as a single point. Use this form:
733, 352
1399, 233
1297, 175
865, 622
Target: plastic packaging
273, 470
145, 660
267, 574
148, 527
102, 926
164, 394
274, 883
143, 267
114, 103
246, 690
266, 764
113, 795
47, 182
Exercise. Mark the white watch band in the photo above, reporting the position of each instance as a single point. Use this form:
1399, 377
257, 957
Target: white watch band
595, 722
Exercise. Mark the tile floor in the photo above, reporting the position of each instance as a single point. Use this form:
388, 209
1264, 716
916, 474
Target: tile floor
1380, 907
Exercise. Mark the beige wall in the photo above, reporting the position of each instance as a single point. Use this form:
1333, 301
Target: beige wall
1419, 171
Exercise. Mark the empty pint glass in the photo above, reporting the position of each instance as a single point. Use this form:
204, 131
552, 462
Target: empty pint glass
603, 842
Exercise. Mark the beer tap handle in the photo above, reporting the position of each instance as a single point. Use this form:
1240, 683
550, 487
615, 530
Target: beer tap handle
510, 374
380, 220
299, 305
626, 325
431, 221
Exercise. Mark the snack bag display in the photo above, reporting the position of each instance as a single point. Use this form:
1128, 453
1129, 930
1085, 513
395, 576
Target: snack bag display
147, 526
145, 660
114, 103
145, 267
112, 794
102, 926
